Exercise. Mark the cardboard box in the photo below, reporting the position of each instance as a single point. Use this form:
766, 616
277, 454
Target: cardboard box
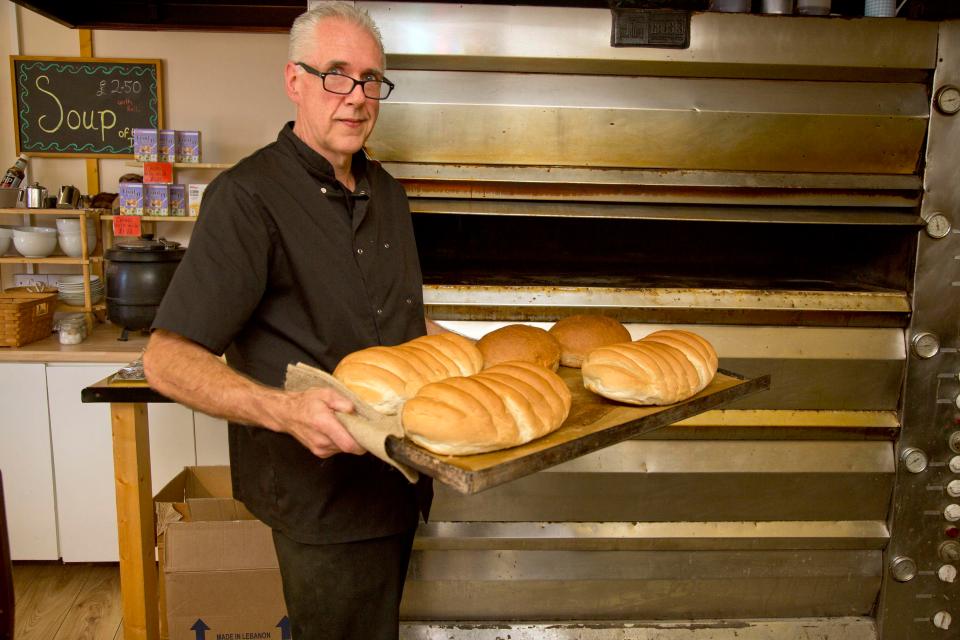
145, 145
156, 199
220, 577
131, 199
187, 146
166, 145
194, 198
178, 200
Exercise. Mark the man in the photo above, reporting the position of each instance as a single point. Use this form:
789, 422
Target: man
304, 252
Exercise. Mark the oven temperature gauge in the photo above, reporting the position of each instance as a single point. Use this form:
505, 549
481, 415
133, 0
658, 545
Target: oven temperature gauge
914, 459
925, 344
947, 100
938, 225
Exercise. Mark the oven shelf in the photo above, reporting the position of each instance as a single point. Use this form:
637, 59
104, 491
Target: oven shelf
800, 306
685, 213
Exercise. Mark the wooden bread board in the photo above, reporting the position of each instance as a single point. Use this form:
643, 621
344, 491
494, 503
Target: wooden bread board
594, 423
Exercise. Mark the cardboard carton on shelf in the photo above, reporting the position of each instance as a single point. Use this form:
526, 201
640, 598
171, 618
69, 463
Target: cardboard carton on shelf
218, 564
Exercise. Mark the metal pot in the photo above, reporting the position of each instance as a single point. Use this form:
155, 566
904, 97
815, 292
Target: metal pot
33, 197
69, 197
138, 274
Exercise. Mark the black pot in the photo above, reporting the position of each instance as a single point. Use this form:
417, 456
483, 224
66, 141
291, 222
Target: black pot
138, 274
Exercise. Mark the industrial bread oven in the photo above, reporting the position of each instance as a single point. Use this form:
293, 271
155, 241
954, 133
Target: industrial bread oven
786, 186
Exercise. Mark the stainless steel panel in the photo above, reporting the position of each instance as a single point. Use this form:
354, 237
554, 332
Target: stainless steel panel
574, 40
678, 481
586, 184
544, 585
930, 410
648, 536
646, 122
848, 628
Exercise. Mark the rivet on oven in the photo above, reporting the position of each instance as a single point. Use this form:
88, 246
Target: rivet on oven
323, 189
386, 245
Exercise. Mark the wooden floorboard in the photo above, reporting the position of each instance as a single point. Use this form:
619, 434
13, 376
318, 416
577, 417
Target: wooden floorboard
57, 601
96, 613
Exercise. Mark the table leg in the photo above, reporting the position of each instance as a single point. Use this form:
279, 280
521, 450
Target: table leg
138, 568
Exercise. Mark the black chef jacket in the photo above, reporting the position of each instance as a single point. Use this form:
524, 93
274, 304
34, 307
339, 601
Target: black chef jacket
286, 266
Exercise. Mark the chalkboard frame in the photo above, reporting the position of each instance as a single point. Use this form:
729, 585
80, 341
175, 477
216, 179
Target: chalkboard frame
15, 61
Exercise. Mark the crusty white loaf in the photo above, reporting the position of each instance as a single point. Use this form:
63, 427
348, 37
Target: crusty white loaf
503, 406
578, 335
386, 377
520, 342
662, 368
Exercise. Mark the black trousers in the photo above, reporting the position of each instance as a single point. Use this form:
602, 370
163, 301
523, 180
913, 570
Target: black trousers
346, 591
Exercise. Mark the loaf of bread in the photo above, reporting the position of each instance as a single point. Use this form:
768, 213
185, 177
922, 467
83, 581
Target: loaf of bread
386, 377
662, 368
520, 342
503, 406
580, 334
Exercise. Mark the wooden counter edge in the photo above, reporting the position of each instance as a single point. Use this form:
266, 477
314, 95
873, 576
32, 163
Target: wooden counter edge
101, 346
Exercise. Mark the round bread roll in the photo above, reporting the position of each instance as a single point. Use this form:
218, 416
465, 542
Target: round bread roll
580, 334
504, 406
520, 343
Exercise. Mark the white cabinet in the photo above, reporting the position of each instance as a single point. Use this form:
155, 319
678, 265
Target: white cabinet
26, 462
83, 459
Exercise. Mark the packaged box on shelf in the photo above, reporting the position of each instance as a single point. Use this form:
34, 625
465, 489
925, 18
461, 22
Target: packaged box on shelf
187, 146
178, 200
194, 196
145, 147
166, 145
131, 199
156, 199
218, 563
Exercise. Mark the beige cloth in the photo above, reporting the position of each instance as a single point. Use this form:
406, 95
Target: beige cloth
368, 426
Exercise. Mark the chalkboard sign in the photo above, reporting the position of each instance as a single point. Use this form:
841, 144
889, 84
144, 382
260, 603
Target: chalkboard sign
84, 107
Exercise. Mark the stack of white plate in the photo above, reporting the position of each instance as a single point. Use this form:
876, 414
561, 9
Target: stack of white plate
71, 290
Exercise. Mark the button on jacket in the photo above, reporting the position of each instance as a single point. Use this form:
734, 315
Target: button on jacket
285, 265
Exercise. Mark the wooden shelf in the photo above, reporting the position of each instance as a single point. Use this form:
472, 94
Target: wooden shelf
191, 165
86, 263
50, 260
156, 218
22, 211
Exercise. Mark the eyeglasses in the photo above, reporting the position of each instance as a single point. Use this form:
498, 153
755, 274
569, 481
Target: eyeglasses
344, 85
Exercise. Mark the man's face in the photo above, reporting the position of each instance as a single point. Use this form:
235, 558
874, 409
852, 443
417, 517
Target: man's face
334, 125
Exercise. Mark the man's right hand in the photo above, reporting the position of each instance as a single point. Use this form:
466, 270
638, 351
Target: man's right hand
311, 420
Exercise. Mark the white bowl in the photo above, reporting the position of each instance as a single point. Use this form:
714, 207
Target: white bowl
6, 236
71, 244
35, 242
71, 226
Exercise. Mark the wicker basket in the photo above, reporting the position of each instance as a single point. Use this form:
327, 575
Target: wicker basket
25, 317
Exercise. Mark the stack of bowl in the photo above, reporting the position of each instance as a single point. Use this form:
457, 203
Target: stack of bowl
35, 242
68, 234
71, 290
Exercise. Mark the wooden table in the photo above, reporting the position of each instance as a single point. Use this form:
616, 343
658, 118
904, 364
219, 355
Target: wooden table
135, 522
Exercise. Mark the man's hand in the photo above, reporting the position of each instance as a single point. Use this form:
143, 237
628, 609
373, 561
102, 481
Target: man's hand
309, 417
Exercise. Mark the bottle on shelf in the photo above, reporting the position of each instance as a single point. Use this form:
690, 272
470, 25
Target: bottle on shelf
15, 174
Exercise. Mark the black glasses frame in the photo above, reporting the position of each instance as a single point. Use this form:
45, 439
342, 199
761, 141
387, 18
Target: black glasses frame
363, 83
